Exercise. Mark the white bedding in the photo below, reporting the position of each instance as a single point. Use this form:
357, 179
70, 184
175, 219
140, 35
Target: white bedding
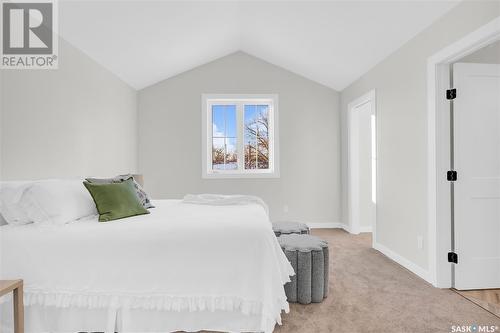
224, 200
219, 261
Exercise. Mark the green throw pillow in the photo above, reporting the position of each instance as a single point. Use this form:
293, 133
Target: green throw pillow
115, 201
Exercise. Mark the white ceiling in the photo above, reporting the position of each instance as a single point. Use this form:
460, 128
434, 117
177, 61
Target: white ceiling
331, 42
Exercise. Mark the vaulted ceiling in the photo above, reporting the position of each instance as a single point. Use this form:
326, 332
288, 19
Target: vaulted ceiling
331, 42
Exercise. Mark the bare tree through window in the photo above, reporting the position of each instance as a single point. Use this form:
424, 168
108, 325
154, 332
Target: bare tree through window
224, 128
240, 136
256, 137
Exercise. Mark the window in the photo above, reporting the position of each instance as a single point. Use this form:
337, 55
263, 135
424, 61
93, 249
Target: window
240, 136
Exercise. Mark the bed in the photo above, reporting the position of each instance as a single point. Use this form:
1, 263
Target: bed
182, 267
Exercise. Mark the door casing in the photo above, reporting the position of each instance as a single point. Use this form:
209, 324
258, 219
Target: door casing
438, 150
352, 182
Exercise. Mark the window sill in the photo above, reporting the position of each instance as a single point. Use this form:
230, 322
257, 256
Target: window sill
229, 175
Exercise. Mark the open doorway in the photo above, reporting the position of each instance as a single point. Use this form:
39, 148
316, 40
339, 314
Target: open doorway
464, 166
477, 156
362, 164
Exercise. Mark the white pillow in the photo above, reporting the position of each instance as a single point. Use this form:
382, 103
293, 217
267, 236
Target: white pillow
57, 201
10, 196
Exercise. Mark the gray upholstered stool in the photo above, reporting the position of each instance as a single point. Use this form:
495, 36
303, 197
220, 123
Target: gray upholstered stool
309, 258
288, 227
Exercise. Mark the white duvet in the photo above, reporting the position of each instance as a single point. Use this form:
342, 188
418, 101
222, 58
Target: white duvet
180, 258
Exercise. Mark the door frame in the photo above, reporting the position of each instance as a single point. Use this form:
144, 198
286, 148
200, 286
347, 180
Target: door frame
353, 163
438, 150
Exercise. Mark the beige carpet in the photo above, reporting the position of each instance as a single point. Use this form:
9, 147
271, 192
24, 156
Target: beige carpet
371, 293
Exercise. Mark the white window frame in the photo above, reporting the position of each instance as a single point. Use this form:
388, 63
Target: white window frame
207, 100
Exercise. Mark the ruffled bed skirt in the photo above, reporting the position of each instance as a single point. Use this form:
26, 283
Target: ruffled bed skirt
63, 312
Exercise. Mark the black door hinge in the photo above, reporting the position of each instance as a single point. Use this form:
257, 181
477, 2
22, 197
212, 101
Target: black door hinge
451, 176
453, 257
451, 93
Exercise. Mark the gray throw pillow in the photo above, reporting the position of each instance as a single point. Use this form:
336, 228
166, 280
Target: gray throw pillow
141, 194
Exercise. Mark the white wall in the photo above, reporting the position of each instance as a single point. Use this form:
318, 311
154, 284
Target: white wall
78, 120
400, 82
170, 138
487, 55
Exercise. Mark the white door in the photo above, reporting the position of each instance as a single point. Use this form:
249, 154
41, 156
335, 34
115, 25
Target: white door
477, 161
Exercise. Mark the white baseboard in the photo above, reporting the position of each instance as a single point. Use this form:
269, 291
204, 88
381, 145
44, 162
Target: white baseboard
365, 229
361, 229
409, 265
326, 225
336, 225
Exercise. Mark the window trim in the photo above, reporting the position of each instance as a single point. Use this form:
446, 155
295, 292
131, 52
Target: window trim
206, 138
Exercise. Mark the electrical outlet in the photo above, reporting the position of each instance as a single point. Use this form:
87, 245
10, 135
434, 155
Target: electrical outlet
420, 242
285, 209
